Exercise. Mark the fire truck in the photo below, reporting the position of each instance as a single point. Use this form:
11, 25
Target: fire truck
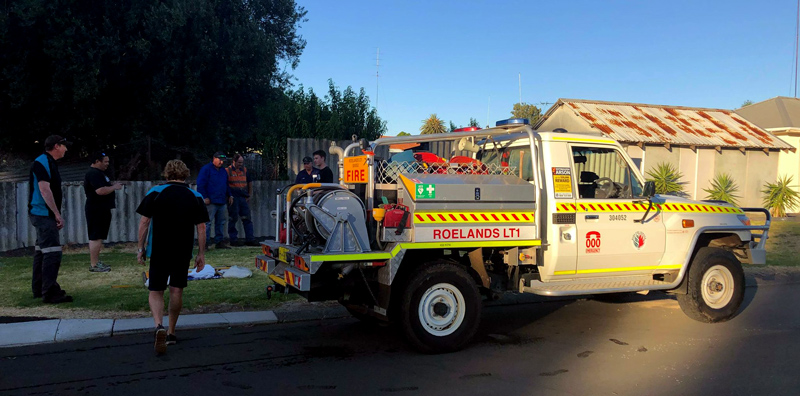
420, 241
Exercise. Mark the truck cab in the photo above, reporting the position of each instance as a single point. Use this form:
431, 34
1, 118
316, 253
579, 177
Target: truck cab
419, 240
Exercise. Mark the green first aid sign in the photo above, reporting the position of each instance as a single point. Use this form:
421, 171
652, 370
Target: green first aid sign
425, 191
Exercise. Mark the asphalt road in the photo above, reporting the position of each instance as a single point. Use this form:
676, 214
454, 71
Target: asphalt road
644, 346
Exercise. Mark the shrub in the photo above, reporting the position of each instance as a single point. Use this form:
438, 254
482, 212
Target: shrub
723, 188
666, 176
780, 195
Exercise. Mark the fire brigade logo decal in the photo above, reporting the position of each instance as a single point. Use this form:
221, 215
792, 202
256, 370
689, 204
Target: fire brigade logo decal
638, 240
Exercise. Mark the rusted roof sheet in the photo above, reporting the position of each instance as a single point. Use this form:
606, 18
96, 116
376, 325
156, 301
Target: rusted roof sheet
654, 124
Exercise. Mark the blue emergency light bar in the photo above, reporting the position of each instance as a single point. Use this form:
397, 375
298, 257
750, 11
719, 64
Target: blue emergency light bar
513, 121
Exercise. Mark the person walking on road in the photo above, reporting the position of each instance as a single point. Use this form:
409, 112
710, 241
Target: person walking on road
241, 186
212, 183
325, 173
308, 174
170, 214
44, 207
100, 199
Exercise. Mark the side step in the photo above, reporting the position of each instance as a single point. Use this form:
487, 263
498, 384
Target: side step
593, 286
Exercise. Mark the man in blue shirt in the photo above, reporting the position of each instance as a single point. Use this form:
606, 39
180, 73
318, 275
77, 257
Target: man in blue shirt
44, 207
309, 174
212, 183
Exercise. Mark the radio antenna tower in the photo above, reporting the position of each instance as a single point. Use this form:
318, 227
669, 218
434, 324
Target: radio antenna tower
520, 86
377, 76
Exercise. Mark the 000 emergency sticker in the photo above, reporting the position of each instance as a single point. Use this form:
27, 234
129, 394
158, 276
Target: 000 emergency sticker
562, 182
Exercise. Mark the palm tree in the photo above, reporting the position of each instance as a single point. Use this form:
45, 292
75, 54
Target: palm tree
723, 188
432, 125
667, 179
779, 195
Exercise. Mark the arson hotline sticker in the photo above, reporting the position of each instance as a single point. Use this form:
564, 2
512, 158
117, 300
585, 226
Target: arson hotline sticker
562, 182
638, 240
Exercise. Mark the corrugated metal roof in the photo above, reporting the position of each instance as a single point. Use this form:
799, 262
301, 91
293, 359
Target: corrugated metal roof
655, 124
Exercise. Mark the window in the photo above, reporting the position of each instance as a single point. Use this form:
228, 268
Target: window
510, 160
603, 173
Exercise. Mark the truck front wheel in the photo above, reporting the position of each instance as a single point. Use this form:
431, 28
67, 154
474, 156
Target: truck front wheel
440, 308
715, 286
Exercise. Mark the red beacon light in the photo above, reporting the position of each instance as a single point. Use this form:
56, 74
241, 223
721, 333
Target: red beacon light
466, 129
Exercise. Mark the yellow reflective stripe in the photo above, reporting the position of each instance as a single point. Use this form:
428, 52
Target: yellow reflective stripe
571, 139
477, 244
625, 206
601, 270
421, 245
352, 257
410, 187
277, 279
422, 217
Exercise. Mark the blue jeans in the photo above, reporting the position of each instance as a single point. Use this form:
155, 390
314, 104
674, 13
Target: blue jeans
240, 209
216, 212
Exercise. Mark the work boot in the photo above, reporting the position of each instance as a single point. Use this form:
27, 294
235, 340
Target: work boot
222, 245
252, 243
57, 299
237, 243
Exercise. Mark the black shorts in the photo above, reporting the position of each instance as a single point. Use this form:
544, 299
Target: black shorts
98, 221
176, 270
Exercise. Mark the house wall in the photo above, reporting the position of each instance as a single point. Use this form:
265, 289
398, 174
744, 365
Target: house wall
761, 168
789, 165
562, 118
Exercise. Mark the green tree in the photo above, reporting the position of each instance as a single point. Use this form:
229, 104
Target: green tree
431, 125
473, 122
747, 102
187, 76
403, 133
453, 127
525, 110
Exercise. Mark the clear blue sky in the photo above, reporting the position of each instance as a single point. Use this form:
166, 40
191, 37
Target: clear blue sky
451, 57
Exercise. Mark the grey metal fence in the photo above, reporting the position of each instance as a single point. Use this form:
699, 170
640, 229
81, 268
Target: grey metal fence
17, 232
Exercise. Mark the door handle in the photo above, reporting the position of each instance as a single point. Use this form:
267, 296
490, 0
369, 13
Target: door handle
592, 218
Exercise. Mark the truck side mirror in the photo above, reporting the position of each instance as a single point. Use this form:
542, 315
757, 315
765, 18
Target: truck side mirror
649, 189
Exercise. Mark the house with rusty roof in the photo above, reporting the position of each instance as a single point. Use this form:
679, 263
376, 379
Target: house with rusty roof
700, 142
780, 116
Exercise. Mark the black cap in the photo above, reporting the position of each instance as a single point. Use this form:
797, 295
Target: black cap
52, 140
220, 155
307, 160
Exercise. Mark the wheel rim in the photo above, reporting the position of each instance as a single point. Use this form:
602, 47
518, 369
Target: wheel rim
717, 287
441, 309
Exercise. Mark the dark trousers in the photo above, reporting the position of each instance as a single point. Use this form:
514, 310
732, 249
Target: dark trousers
240, 209
47, 258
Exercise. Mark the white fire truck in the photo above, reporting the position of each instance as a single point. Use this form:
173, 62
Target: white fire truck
419, 241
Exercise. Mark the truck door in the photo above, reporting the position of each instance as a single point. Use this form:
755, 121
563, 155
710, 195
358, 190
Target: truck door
608, 207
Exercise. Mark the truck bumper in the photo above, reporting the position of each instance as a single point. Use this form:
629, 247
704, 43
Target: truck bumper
282, 274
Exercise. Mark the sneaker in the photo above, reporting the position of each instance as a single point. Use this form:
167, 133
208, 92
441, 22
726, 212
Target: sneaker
161, 340
252, 243
102, 264
57, 299
171, 339
222, 245
99, 268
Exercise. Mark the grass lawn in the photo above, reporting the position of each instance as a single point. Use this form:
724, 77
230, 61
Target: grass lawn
783, 244
121, 292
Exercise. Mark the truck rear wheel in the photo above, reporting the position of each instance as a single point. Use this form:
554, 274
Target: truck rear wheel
440, 308
715, 286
